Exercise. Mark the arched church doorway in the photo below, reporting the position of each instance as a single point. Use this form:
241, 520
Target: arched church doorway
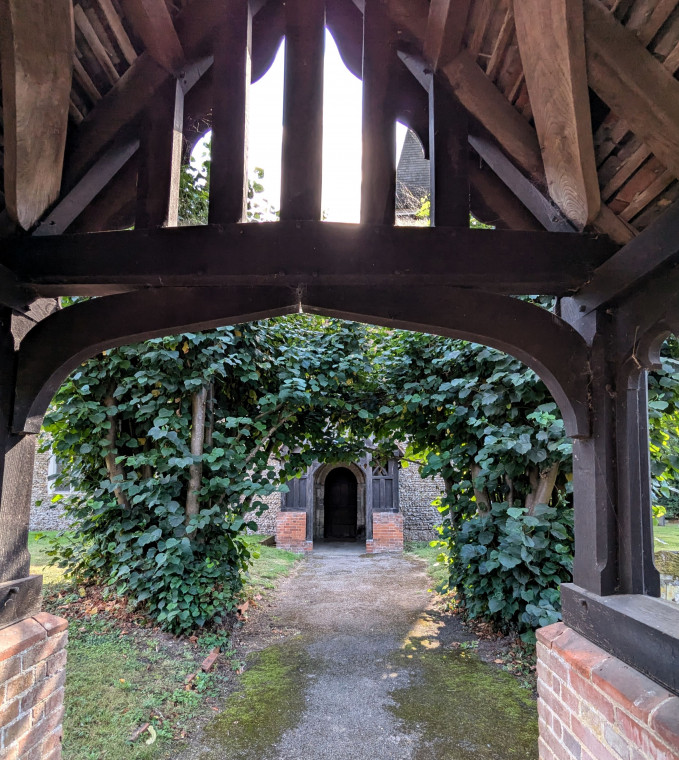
341, 505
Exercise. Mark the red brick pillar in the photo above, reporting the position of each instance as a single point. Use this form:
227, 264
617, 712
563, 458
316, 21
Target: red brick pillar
32, 674
291, 532
594, 707
387, 533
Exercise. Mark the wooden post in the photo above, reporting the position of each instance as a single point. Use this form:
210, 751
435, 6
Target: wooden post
231, 82
301, 171
378, 165
638, 574
19, 592
448, 160
595, 478
160, 159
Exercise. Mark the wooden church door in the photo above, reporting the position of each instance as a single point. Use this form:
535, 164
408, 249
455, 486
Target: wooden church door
341, 504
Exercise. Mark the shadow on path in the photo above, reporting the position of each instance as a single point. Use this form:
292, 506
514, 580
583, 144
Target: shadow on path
354, 664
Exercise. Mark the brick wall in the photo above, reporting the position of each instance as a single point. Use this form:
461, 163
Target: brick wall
32, 674
594, 707
291, 532
387, 533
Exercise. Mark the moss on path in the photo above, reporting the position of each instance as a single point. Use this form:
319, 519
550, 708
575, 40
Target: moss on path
465, 709
365, 672
270, 700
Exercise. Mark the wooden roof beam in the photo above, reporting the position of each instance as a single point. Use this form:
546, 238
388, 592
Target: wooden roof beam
36, 54
153, 23
653, 250
492, 110
633, 83
130, 96
296, 253
552, 45
445, 29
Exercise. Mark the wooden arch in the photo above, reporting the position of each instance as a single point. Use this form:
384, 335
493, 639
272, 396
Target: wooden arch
540, 339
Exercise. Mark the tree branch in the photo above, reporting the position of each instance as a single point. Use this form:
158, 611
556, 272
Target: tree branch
115, 470
198, 403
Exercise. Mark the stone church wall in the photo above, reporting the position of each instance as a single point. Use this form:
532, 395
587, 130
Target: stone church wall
415, 496
44, 514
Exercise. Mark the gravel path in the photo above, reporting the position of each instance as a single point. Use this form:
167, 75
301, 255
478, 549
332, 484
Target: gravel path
343, 644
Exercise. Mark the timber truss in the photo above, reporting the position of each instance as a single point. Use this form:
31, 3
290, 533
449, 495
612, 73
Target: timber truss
556, 122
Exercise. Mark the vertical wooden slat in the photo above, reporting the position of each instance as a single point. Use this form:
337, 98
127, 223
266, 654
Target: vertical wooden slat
160, 159
378, 181
449, 151
301, 171
231, 83
634, 513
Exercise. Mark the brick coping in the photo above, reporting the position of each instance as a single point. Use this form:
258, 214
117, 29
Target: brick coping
32, 677
636, 710
20, 636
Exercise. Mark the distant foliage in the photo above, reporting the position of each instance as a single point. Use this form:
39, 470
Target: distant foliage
663, 409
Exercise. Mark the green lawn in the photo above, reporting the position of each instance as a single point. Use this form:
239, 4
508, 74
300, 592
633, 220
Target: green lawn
121, 676
436, 569
666, 537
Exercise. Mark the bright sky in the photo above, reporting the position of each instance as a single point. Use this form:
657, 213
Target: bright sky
341, 135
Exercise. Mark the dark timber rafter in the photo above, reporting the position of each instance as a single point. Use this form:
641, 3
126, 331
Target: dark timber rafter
129, 98
153, 23
633, 83
303, 253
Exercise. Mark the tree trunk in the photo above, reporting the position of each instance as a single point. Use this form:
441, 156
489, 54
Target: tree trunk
542, 486
482, 497
210, 423
198, 404
146, 471
510, 491
115, 470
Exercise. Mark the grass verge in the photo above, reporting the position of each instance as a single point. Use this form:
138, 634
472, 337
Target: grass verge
666, 537
123, 675
436, 566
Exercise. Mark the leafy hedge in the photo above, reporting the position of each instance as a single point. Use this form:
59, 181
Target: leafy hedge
124, 424
507, 565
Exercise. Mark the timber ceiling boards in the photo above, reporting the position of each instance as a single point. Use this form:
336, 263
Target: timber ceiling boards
621, 158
